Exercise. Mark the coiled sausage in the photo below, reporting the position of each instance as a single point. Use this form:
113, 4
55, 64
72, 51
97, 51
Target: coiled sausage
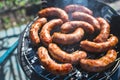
72, 25
86, 17
45, 32
36, 26
98, 65
52, 66
65, 57
74, 7
105, 31
54, 12
99, 47
70, 38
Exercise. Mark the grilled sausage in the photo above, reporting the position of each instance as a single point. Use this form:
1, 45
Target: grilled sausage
70, 38
101, 64
36, 26
74, 7
45, 32
86, 17
72, 25
52, 66
65, 57
54, 12
99, 47
105, 31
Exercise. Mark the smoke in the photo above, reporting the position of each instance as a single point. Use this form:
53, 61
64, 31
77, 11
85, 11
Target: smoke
82, 2
63, 3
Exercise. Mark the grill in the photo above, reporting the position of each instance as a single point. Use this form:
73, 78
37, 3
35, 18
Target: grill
27, 51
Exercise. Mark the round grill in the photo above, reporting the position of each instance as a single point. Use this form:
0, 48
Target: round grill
31, 64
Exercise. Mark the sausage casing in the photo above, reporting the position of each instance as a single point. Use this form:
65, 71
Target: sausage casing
80, 8
104, 32
99, 47
101, 64
86, 17
36, 26
51, 65
65, 57
72, 25
45, 32
70, 38
55, 12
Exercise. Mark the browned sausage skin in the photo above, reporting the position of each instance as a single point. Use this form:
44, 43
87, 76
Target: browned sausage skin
45, 32
52, 11
105, 30
72, 25
65, 57
86, 17
36, 26
52, 66
70, 38
99, 47
98, 65
80, 8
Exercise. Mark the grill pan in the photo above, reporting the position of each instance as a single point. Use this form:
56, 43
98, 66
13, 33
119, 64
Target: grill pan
27, 51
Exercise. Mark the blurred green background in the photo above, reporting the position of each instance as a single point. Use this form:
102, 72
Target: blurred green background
17, 12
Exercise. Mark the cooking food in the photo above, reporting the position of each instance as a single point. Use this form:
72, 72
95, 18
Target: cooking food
98, 65
99, 47
34, 30
72, 8
65, 57
70, 26
104, 32
81, 16
70, 38
59, 51
45, 32
53, 11
51, 65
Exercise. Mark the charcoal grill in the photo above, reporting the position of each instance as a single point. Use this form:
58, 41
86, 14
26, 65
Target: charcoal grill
27, 51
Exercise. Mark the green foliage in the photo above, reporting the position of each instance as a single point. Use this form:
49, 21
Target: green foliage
21, 18
6, 21
1, 5
20, 2
12, 3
